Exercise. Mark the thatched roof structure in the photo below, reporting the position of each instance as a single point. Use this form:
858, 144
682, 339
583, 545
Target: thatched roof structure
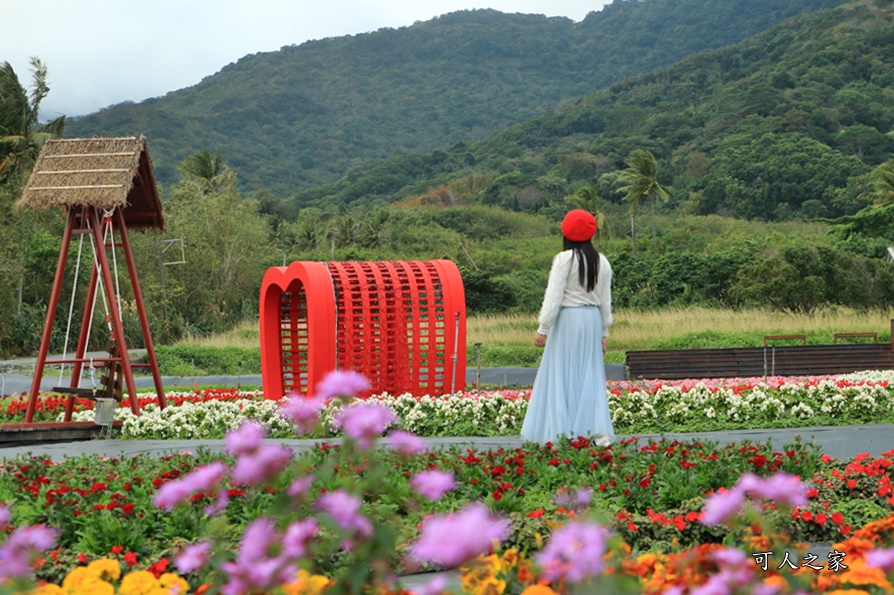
100, 172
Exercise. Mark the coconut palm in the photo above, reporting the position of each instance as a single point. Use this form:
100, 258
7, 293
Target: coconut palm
587, 198
208, 171
21, 133
882, 180
640, 180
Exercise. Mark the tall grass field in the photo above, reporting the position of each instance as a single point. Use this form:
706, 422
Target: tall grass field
507, 339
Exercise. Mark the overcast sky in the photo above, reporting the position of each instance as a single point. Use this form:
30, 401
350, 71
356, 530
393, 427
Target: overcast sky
103, 52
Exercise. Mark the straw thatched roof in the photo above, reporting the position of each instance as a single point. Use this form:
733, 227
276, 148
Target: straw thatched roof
100, 172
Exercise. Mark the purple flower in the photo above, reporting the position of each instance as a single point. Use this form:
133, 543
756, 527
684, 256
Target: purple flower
221, 501
365, 421
21, 545
574, 552
435, 586
254, 568
193, 557
722, 506
303, 412
448, 541
433, 484
262, 465
883, 559
577, 501
406, 443
300, 487
296, 538
781, 488
341, 384
246, 439
345, 510
257, 538
200, 479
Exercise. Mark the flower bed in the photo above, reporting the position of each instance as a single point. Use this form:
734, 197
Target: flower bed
640, 407
658, 512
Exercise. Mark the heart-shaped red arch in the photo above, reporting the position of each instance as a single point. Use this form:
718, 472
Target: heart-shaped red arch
402, 324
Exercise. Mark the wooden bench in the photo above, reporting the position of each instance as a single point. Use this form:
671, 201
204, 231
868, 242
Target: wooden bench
789, 360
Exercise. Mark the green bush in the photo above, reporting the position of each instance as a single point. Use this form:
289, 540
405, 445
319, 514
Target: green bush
197, 360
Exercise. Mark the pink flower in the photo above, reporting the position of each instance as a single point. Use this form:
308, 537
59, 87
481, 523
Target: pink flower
303, 412
5, 515
296, 538
448, 541
300, 487
21, 545
433, 484
345, 510
246, 439
341, 384
193, 557
883, 559
782, 488
574, 552
262, 465
722, 506
365, 421
406, 443
200, 479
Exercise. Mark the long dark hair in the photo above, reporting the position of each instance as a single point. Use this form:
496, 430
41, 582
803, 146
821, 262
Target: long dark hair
587, 261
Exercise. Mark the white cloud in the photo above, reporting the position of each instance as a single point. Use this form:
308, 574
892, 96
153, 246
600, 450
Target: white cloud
102, 52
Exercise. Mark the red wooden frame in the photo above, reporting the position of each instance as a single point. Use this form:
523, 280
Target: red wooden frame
402, 324
89, 220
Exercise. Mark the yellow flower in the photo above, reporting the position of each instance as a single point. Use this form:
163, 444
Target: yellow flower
491, 586
90, 585
306, 583
74, 579
141, 582
509, 558
538, 590
170, 580
105, 568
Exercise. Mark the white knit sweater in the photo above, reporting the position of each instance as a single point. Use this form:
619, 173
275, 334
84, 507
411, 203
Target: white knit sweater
564, 289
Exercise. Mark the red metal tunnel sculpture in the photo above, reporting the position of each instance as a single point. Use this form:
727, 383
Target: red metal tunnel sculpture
402, 324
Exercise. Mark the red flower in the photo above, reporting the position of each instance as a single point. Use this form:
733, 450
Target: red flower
130, 558
497, 495
158, 568
821, 518
116, 549
535, 514
807, 516
838, 518
82, 558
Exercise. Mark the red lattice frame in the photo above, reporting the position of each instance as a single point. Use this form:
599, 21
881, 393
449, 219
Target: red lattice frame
399, 323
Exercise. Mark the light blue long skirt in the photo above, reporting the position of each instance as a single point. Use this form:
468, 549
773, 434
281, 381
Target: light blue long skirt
569, 397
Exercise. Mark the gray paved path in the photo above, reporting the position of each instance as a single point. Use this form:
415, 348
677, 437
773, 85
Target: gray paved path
841, 442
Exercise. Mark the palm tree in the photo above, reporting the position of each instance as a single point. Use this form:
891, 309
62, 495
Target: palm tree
882, 180
587, 198
21, 133
208, 171
640, 181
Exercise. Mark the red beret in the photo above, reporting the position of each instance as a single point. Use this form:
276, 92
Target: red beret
579, 226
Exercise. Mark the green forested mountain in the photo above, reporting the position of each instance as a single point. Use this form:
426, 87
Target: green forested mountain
782, 125
305, 115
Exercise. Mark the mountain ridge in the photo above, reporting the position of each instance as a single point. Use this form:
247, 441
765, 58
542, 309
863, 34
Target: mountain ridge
306, 114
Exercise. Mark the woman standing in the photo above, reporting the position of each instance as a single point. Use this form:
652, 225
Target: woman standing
569, 395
